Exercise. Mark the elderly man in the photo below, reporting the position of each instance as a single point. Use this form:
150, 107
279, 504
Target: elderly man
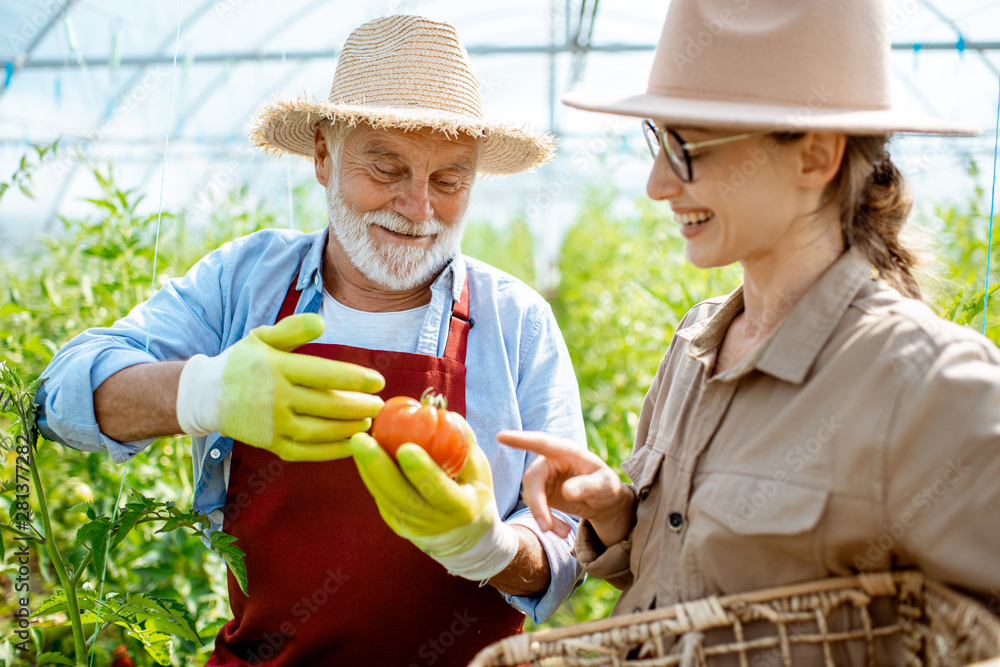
380, 303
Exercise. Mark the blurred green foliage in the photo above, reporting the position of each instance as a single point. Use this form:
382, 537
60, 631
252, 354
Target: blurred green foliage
511, 249
623, 286
91, 274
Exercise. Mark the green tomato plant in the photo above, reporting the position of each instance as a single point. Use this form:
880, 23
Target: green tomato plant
152, 619
110, 567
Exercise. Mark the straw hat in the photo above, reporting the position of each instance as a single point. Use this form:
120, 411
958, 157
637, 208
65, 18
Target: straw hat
802, 65
407, 73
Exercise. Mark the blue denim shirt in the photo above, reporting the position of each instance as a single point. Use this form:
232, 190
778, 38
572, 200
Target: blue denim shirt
519, 375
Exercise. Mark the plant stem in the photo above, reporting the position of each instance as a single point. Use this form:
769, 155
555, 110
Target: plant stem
68, 584
82, 568
21, 533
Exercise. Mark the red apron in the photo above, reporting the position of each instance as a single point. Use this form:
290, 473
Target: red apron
329, 582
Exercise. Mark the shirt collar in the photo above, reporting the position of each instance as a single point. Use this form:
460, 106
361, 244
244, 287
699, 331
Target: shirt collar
790, 351
310, 271
706, 335
452, 276
797, 343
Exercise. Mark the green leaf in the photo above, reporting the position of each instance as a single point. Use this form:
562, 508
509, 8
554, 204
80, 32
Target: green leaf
952, 308
97, 524
145, 501
223, 545
53, 658
187, 520
211, 631
964, 311
96, 533
12, 308
101, 203
108, 609
125, 523
51, 604
157, 644
174, 626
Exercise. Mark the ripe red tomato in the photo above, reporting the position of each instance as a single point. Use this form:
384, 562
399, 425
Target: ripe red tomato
426, 423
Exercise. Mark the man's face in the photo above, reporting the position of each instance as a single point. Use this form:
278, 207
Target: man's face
398, 200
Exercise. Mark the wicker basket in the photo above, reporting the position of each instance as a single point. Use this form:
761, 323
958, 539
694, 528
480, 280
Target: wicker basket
813, 623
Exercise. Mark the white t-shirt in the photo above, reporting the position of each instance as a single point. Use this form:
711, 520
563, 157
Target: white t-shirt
396, 332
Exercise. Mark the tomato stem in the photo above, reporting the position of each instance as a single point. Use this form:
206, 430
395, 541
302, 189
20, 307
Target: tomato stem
433, 400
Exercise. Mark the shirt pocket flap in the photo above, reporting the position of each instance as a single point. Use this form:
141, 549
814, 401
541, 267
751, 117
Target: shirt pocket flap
759, 505
642, 467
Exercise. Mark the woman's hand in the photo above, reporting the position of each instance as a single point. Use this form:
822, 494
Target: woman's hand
573, 480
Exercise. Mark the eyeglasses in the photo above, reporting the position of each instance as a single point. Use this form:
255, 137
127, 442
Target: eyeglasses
678, 152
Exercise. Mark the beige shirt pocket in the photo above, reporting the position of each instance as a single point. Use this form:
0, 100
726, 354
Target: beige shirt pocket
747, 532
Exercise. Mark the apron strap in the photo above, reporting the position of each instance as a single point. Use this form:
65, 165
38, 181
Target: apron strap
458, 331
291, 300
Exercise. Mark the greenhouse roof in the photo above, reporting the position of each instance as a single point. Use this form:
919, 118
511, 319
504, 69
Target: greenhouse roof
133, 81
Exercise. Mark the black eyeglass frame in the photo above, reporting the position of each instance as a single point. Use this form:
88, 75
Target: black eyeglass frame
683, 170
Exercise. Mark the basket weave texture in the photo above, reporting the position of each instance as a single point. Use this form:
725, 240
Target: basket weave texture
927, 624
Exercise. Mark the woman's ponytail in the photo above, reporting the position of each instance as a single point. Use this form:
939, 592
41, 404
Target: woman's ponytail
875, 202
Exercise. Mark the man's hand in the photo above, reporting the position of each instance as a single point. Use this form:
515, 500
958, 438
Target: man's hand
573, 480
454, 521
300, 407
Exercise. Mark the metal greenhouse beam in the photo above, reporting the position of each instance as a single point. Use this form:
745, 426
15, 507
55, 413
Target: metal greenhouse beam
961, 44
215, 86
103, 123
215, 58
24, 57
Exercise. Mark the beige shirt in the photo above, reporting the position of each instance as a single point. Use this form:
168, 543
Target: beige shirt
863, 434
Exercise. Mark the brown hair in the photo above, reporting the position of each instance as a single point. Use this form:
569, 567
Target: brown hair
874, 202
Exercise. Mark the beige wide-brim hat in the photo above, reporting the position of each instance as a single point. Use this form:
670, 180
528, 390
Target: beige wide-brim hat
794, 65
403, 73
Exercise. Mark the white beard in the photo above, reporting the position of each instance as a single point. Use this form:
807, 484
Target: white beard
393, 266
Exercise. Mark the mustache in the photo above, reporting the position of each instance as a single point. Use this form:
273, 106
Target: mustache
400, 224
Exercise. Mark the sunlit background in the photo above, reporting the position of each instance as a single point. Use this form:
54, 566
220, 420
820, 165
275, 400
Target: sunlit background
101, 76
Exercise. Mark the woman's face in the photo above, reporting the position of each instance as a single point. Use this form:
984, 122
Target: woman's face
746, 201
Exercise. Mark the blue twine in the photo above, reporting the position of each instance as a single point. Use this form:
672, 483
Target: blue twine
993, 192
149, 313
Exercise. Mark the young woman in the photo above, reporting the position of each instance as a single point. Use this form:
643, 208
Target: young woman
820, 420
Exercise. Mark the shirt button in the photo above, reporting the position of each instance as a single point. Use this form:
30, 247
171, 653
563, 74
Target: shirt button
215, 454
675, 521
644, 493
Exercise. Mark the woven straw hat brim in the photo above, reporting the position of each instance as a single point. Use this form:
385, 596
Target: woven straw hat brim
726, 114
287, 125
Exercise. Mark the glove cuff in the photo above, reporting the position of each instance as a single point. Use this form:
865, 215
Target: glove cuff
487, 558
198, 394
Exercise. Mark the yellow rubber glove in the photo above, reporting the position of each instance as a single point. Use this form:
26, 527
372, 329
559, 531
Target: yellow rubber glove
454, 521
301, 407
